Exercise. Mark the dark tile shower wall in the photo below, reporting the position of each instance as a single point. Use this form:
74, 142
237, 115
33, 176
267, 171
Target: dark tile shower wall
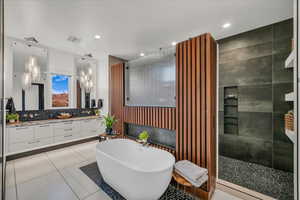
254, 63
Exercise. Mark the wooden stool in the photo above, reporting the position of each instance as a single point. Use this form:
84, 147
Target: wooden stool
184, 184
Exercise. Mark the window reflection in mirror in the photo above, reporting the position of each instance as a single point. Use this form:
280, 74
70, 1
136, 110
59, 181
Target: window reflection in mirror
60, 90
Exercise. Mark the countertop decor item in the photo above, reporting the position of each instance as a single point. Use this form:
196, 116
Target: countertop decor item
109, 122
64, 116
143, 136
97, 112
10, 106
289, 121
12, 118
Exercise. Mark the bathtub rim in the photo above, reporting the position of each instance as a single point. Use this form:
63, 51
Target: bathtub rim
132, 167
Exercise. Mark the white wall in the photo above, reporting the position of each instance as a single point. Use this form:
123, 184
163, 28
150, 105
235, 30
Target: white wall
8, 67
102, 82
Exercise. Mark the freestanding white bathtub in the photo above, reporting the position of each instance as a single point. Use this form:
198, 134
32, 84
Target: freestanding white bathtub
136, 172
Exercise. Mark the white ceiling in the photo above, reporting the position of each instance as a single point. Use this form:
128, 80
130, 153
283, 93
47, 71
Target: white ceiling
129, 27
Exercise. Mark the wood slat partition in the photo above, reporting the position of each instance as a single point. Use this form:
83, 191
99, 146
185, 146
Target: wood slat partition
196, 105
117, 94
159, 117
194, 117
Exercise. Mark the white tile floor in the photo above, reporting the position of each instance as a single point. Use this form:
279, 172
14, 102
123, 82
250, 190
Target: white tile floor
56, 175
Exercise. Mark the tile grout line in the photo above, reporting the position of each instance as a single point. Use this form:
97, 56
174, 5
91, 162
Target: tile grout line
36, 176
52, 164
63, 177
15, 178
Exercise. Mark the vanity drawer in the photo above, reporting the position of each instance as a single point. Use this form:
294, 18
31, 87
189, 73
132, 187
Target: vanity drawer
67, 137
21, 146
43, 142
62, 125
21, 134
44, 131
63, 131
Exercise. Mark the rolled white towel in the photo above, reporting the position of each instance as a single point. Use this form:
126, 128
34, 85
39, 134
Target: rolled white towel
196, 183
190, 170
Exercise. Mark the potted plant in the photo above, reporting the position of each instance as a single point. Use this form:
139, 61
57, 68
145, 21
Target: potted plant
143, 136
12, 117
109, 122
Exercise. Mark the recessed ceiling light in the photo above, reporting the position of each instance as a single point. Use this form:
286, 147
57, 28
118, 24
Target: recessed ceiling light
174, 43
97, 37
226, 25
142, 54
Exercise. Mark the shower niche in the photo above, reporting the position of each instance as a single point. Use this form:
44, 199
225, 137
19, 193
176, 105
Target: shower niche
231, 110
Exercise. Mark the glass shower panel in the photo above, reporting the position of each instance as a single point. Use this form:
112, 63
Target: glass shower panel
2, 141
150, 80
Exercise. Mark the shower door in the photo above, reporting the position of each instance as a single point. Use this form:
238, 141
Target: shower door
2, 156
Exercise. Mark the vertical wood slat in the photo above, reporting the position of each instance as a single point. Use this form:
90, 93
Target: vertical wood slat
195, 104
117, 91
159, 117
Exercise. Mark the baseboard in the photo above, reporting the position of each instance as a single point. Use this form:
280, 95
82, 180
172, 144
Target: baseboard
241, 192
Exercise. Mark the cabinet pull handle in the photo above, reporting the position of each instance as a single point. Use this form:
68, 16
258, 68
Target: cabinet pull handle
22, 128
68, 129
31, 142
68, 122
68, 135
44, 126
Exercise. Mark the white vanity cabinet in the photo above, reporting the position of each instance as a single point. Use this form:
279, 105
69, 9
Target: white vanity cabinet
20, 138
26, 138
66, 131
91, 127
43, 135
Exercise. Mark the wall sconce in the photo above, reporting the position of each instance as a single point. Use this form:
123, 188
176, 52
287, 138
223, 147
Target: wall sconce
32, 73
85, 79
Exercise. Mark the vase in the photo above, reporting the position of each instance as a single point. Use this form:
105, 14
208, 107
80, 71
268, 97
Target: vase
108, 131
12, 121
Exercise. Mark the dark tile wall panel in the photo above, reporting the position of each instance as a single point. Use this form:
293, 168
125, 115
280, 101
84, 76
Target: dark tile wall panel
159, 136
254, 62
250, 38
254, 71
256, 125
279, 91
281, 74
246, 149
256, 98
283, 156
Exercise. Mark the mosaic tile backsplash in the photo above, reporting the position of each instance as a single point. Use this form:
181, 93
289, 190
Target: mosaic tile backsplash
33, 115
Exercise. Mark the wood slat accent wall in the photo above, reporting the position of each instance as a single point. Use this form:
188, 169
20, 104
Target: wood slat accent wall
196, 104
159, 117
194, 117
117, 94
